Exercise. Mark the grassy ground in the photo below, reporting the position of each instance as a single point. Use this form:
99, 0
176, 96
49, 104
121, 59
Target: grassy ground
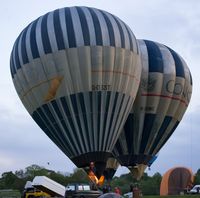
177, 196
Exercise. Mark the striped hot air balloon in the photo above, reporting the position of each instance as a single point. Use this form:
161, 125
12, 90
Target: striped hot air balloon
77, 71
162, 99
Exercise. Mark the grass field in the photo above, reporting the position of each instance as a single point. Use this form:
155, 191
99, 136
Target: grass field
174, 196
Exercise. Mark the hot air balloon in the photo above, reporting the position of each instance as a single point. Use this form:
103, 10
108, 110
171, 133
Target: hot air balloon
161, 101
77, 71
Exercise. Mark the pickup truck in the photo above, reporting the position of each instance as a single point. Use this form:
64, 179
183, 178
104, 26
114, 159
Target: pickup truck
80, 190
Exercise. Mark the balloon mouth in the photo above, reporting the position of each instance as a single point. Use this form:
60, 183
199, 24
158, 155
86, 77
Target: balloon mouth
109, 173
94, 173
94, 163
134, 160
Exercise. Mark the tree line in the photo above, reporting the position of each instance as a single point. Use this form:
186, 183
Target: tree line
150, 185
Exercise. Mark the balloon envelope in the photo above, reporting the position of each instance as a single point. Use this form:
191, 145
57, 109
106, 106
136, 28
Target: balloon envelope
162, 99
77, 71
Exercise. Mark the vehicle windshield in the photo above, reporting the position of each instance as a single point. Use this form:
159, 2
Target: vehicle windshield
83, 187
70, 187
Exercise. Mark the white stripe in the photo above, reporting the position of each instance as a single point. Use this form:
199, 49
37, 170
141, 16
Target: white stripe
126, 37
104, 28
51, 32
115, 29
90, 26
39, 37
134, 40
167, 59
19, 50
77, 27
28, 45
14, 59
63, 26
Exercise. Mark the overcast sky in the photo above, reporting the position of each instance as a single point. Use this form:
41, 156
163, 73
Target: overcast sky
175, 23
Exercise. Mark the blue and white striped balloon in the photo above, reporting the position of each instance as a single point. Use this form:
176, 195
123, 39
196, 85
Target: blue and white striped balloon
162, 99
77, 71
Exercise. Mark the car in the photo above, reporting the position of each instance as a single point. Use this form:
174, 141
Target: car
195, 190
128, 195
110, 195
80, 190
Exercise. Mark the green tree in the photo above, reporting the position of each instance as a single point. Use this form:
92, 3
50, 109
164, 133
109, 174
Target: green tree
79, 175
197, 177
58, 177
10, 181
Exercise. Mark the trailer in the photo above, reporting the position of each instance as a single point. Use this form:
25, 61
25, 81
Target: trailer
49, 186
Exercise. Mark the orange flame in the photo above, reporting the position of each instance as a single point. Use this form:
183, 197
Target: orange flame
94, 178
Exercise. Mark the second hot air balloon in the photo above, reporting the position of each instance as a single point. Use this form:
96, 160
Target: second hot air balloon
162, 99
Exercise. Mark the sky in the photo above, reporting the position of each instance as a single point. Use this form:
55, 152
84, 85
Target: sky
173, 23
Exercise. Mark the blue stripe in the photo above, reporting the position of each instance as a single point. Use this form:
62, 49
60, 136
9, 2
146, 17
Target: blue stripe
75, 101
42, 121
84, 26
118, 148
60, 116
69, 117
161, 132
17, 62
45, 36
108, 95
148, 124
57, 131
34, 47
129, 132
36, 116
169, 135
123, 114
44, 124
110, 30
58, 30
84, 112
190, 78
97, 27
113, 111
154, 57
179, 65
23, 47
121, 32
70, 28
12, 67
152, 160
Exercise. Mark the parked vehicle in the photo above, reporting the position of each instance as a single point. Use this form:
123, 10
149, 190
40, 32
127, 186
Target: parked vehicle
128, 195
45, 184
80, 190
42, 186
195, 190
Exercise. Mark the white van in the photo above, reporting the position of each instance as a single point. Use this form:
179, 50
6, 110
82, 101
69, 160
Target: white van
195, 190
128, 195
